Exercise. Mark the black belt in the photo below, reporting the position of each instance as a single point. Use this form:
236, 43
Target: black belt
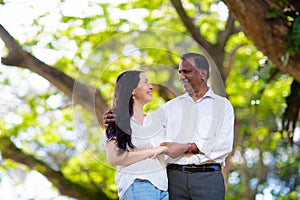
195, 168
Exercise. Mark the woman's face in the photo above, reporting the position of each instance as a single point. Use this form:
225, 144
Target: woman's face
143, 92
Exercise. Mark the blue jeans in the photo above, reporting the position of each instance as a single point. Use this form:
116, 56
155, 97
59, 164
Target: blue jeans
144, 190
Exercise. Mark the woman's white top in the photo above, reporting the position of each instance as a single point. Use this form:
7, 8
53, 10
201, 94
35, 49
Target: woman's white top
148, 135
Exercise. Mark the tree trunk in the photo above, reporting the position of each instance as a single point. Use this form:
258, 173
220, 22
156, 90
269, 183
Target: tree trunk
268, 35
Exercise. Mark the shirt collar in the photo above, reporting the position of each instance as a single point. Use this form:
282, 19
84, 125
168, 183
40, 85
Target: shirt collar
209, 94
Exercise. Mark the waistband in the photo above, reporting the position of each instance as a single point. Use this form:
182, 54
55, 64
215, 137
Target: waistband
192, 168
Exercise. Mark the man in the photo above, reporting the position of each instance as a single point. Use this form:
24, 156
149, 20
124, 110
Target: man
200, 130
199, 135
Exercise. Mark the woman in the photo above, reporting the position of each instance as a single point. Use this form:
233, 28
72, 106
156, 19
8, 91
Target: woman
133, 141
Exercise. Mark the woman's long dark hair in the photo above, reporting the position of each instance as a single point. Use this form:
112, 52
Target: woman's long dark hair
120, 129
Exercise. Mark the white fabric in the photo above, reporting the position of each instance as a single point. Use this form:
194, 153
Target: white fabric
151, 134
208, 123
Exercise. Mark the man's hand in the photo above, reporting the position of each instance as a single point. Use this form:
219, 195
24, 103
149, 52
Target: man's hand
174, 149
108, 117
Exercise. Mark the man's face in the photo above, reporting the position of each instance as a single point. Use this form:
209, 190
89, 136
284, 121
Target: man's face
190, 76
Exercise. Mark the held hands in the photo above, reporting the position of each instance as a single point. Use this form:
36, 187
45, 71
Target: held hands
158, 150
174, 149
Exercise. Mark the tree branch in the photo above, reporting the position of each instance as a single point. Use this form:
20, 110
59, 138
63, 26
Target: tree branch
231, 59
216, 51
229, 30
188, 23
64, 185
89, 97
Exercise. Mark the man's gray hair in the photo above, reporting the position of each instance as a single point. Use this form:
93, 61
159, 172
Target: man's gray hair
200, 61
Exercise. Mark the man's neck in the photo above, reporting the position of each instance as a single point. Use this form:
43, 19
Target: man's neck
199, 94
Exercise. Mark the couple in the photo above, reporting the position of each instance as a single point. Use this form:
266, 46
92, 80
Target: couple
194, 131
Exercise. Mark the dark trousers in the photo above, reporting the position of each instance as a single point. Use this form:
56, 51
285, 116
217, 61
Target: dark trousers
196, 186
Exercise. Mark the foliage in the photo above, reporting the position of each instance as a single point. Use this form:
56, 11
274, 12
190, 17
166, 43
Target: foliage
294, 36
292, 16
95, 48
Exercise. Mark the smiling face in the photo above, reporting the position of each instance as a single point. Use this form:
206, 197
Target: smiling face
143, 92
192, 79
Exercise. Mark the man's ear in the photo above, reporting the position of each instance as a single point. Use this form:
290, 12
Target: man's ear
203, 73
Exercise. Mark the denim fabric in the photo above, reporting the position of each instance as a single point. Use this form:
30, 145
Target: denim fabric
144, 190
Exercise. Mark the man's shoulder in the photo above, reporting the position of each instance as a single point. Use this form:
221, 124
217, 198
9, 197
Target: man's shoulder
173, 104
225, 102
175, 100
220, 98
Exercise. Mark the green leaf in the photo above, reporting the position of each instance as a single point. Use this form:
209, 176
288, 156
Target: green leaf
274, 13
294, 37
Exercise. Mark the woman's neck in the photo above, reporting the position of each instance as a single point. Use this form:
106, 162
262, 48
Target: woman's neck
138, 113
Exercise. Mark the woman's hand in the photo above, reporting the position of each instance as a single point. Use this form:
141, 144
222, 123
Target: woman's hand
174, 149
158, 150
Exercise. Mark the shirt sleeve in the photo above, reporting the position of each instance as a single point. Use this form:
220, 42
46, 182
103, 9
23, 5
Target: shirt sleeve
220, 145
